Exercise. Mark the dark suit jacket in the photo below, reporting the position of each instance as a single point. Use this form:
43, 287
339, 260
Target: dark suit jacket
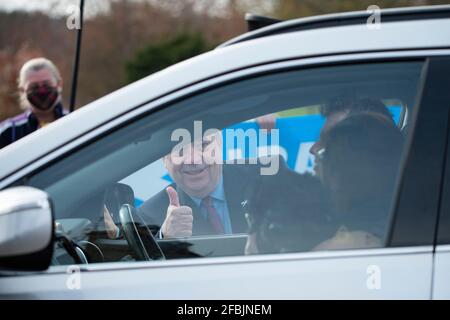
238, 181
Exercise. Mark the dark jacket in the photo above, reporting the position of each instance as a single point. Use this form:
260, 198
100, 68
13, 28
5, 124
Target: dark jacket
15, 128
238, 181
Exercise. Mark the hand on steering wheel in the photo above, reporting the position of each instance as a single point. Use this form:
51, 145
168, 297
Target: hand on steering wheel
138, 235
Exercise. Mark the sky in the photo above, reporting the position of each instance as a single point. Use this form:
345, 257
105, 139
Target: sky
60, 8
10, 5
52, 7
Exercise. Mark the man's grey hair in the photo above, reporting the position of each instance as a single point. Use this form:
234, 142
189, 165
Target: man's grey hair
34, 65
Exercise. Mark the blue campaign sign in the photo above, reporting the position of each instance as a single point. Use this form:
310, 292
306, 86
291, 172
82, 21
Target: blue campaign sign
295, 137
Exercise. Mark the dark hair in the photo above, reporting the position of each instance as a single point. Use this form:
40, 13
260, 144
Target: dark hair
360, 164
353, 105
289, 213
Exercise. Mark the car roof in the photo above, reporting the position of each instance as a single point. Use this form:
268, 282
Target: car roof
342, 19
402, 35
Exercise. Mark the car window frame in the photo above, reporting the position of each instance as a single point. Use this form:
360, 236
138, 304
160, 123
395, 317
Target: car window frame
442, 237
147, 107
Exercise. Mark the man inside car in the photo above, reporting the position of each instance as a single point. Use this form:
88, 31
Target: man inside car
206, 196
339, 109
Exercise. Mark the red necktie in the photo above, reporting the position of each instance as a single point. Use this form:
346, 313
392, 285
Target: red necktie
212, 215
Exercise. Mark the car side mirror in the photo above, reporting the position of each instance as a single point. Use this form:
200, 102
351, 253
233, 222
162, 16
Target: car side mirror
26, 229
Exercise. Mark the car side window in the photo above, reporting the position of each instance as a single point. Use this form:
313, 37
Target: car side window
293, 161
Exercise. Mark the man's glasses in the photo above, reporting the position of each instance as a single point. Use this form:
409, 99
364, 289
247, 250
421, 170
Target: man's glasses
321, 153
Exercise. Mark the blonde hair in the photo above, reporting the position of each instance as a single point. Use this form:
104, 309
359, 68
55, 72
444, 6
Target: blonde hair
35, 64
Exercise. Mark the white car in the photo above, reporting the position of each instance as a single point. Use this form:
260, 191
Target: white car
53, 243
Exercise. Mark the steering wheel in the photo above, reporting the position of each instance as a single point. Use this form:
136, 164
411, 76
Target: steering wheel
138, 235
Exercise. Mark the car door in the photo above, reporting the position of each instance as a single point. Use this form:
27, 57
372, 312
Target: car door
397, 265
440, 288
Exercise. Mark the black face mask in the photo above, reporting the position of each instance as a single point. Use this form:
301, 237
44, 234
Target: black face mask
42, 97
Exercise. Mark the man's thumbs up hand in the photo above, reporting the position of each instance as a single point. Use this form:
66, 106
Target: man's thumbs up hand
179, 219
173, 197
